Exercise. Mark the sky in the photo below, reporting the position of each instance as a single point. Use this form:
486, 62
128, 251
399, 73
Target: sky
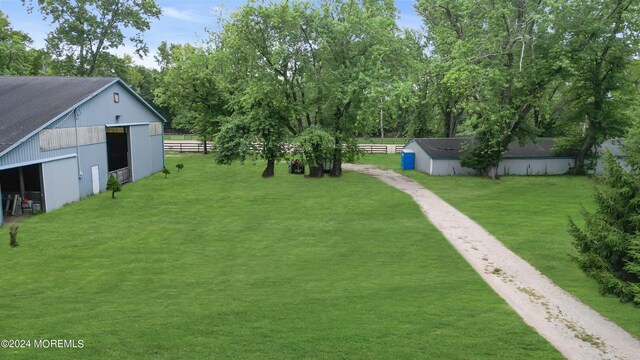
182, 21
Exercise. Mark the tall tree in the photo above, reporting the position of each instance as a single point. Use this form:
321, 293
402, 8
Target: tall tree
267, 62
86, 29
491, 62
601, 40
15, 56
356, 48
191, 90
305, 65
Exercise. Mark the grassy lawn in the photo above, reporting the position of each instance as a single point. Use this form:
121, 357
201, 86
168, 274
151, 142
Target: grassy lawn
215, 262
530, 216
180, 137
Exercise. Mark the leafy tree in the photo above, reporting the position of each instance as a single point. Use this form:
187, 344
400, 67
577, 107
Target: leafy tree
15, 56
609, 244
114, 186
601, 40
357, 41
300, 65
235, 141
87, 29
491, 62
192, 92
315, 146
267, 60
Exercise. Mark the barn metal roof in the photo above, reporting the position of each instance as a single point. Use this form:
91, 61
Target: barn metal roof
29, 103
453, 148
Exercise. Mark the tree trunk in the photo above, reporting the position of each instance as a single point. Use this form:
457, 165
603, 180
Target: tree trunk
336, 168
205, 148
581, 156
269, 171
491, 172
315, 171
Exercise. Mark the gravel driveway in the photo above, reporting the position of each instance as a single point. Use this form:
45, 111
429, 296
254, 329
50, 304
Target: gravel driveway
576, 330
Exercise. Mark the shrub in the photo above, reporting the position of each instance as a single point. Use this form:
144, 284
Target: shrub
13, 235
315, 146
114, 186
166, 172
180, 166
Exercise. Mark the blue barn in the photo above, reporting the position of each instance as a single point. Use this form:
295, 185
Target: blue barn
62, 137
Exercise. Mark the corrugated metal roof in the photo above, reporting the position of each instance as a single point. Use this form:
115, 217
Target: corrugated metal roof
443, 148
27, 103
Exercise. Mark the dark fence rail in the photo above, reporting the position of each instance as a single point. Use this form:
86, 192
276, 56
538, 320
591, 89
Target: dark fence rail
186, 146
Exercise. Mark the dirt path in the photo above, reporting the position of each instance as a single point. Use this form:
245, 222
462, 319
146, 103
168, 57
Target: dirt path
576, 330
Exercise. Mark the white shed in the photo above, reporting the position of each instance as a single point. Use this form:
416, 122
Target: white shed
441, 156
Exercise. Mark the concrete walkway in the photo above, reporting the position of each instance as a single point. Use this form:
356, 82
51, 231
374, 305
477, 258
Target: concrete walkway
576, 330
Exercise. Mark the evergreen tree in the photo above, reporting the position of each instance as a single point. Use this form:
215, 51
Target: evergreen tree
609, 243
114, 186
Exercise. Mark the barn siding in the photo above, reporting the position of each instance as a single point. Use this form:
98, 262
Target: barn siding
92, 155
52, 139
102, 110
60, 183
139, 150
157, 157
450, 167
507, 167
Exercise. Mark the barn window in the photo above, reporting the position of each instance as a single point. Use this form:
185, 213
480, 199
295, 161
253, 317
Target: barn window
116, 97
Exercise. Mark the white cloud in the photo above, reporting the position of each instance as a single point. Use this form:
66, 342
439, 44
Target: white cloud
184, 15
147, 61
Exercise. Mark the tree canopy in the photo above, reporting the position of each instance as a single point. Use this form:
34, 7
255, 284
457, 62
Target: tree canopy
86, 29
493, 71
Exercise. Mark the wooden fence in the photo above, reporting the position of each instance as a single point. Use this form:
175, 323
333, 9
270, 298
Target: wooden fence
189, 146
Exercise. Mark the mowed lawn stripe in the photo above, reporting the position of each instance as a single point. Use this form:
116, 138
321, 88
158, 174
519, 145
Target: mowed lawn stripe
216, 262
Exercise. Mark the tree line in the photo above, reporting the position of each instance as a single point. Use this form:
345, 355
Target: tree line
320, 74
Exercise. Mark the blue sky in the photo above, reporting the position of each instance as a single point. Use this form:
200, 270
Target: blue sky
181, 22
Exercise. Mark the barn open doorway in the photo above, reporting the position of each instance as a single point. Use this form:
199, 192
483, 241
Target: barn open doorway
21, 190
118, 153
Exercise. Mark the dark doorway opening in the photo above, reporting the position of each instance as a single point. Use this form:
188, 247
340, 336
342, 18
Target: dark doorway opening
118, 153
21, 189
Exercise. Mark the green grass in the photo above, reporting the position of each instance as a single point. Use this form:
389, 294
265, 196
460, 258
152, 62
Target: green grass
530, 216
216, 262
180, 137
